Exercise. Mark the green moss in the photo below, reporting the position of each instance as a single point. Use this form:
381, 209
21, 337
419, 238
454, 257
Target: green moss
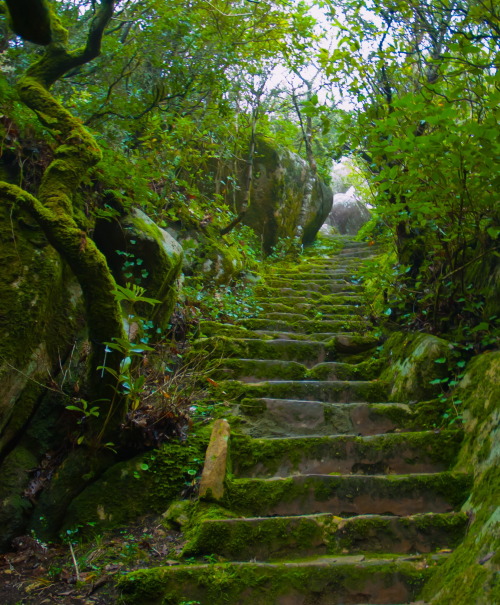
328, 391
260, 369
470, 575
259, 584
215, 328
418, 416
145, 484
15, 473
265, 497
411, 365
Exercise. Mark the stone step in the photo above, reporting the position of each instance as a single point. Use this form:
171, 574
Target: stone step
320, 275
328, 391
343, 311
282, 315
393, 453
293, 537
315, 336
309, 311
306, 326
299, 287
356, 253
335, 370
348, 495
266, 417
312, 301
289, 296
255, 370
307, 352
348, 258
319, 581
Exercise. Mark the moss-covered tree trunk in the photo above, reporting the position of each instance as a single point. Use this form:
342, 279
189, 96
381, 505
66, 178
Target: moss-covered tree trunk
76, 153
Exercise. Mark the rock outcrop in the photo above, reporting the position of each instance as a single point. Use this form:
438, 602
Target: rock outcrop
348, 213
287, 198
139, 251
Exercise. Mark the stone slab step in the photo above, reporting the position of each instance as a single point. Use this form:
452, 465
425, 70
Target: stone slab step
290, 313
330, 287
311, 301
328, 391
256, 370
311, 311
316, 336
261, 538
348, 495
322, 581
325, 276
344, 311
393, 453
307, 352
306, 326
336, 370
266, 417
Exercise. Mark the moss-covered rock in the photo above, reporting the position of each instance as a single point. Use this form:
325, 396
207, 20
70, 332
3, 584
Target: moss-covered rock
138, 251
328, 581
412, 365
41, 309
278, 196
144, 484
15, 506
471, 575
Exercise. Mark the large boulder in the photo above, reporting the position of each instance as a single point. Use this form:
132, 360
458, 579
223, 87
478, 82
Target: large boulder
42, 313
138, 251
41, 308
341, 178
412, 370
348, 212
287, 198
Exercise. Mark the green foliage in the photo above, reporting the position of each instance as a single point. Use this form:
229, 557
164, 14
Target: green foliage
426, 126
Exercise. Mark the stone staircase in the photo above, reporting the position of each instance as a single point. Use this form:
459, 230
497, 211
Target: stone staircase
336, 496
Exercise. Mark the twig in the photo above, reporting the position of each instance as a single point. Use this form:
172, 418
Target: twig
77, 571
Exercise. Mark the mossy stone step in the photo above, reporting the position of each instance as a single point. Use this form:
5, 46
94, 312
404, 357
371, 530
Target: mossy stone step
329, 287
262, 538
329, 391
310, 311
216, 328
311, 301
322, 581
319, 277
347, 495
267, 417
255, 370
324, 337
305, 326
307, 352
335, 370
393, 453
360, 253
343, 311
288, 316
